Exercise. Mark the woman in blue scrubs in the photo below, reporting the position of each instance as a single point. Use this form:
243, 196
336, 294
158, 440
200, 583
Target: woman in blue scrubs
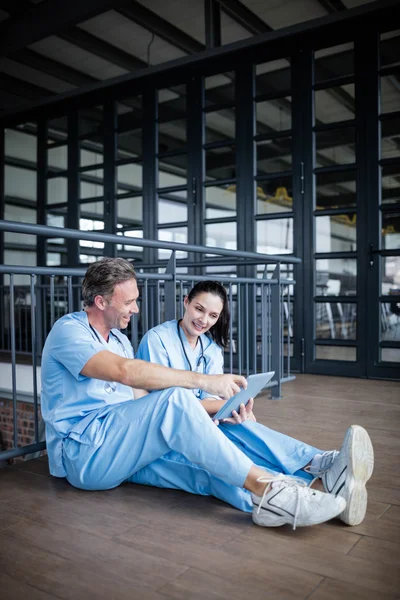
196, 343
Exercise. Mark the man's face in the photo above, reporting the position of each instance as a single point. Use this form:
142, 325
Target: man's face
122, 305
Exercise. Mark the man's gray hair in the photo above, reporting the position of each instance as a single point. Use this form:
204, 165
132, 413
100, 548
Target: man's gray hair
102, 277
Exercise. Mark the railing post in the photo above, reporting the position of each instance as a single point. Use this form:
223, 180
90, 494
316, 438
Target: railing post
276, 332
170, 289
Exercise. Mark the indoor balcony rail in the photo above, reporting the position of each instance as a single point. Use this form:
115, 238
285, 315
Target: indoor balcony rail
260, 329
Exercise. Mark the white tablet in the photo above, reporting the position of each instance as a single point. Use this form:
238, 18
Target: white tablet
255, 384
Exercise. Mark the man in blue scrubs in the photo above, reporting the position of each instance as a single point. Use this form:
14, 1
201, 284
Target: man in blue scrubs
102, 425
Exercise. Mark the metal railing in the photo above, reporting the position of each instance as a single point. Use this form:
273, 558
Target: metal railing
260, 328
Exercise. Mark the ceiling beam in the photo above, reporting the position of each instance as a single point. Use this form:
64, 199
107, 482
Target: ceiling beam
164, 29
51, 67
212, 21
107, 51
23, 89
244, 16
332, 6
39, 21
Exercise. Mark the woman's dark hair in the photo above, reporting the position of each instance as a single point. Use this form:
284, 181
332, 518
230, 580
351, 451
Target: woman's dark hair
102, 277
220, 331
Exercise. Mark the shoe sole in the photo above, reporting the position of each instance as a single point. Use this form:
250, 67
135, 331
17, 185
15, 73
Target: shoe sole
360, 467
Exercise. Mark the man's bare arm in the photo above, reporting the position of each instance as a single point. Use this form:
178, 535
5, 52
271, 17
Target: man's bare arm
141, 374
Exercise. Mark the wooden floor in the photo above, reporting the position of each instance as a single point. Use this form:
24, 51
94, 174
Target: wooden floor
140, 542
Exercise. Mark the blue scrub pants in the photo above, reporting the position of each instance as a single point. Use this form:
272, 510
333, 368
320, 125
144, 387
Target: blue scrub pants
167, 440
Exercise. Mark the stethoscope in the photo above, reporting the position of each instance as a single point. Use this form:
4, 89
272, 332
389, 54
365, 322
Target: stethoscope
110, 386
201, 357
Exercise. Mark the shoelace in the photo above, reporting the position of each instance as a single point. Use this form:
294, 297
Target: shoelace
295, 482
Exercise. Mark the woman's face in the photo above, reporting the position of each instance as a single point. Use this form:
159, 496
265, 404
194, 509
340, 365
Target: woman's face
201, 313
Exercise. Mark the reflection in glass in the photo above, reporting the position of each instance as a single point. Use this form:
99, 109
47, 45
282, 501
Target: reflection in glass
390, 355
390, 274
274, 155
275, 236
219, 89
222, 235
390, 132
336, 61
175, 166
335, 190
91, 225
274, 196
221, 162
131, 106
172, 135
390, 318
335, 320
137, 233
390, 93
390, 184
90, 188
220, 125
336, 233
390, 231
346, 353
335, 147
171, 212
220, 201
57, 129
274, 115
273, 76
334, 104
91, 153
336, 276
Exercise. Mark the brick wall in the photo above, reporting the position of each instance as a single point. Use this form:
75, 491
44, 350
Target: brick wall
25, 424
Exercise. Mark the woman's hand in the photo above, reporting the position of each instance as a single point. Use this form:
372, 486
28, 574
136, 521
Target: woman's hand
245, 414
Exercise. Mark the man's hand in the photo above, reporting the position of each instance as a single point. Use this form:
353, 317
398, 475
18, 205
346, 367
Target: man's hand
224, 386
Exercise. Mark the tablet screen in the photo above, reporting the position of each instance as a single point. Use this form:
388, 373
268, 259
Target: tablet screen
255, 384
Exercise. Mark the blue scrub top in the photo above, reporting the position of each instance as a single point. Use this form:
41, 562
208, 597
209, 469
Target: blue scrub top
70, 401
162, 345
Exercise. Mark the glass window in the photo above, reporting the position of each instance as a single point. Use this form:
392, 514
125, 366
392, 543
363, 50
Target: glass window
90, 189
390, 132
346, 353
19, 183
220, 125
91, 121
219, 89
390, 184
174, 234
274, 115
129, 177
274, 195
336, 61
57, 190
57, 157
130, 211
273, 76
334, 104
220, 201
275, 236
390, 93
390, 355
91, 153
57, 130
129, 144
390, 48
336, 233
274, 155
171, 212
133, 234
175, 166
336, 276
222, 235
390, 274
221, 162
390, 318
335, 320
20, 144
335, 147
390, 231
335, 190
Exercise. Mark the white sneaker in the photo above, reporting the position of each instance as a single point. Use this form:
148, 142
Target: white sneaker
290, 500
349, 473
